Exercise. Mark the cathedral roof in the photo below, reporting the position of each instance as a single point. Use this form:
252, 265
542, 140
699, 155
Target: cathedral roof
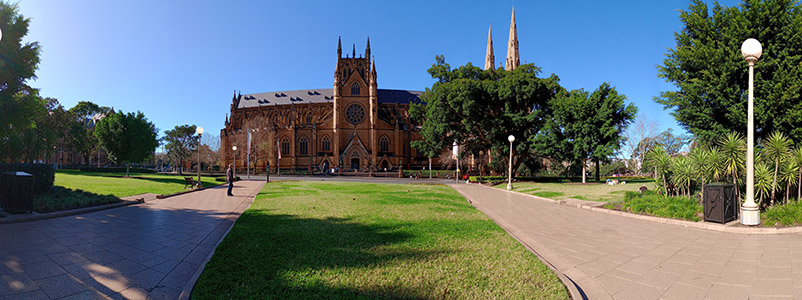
321, 96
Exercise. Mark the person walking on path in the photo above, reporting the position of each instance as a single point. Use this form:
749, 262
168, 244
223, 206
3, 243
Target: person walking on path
230, 179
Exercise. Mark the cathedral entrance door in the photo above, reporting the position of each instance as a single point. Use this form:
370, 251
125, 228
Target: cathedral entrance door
355, 161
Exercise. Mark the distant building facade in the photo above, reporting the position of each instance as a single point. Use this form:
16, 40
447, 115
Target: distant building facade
354, 126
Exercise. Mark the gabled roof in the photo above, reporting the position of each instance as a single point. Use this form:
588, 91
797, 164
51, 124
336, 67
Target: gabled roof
321, 96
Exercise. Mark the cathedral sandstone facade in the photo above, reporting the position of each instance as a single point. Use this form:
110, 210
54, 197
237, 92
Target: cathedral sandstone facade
355, 126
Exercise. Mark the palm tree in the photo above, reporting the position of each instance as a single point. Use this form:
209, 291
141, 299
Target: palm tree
762, 181
777, 147
682, 170
700, 158
788, 175
715, 164
796, 160
661, 161
733, 150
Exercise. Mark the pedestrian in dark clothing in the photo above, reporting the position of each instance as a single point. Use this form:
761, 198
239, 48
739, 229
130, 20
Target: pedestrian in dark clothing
230, 179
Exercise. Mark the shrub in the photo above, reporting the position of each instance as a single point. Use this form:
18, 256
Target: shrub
650, 203
785, 215
61, 198
43, 175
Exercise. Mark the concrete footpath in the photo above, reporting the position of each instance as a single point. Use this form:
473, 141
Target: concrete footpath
616, 257
143, 251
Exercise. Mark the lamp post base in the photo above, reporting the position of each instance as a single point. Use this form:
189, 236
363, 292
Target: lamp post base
750, 215
509, 186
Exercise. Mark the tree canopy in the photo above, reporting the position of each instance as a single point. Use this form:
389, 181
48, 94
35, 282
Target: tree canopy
181, 143
18, 62
588, 126
480, 109
127, 137
711, 76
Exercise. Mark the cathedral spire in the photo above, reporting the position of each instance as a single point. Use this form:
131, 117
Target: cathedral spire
353, 54
367, 49
339, 47
490, 60
513, 60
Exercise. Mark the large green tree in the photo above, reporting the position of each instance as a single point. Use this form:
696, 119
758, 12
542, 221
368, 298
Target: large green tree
18, 63
479, 109
181, 143
85, 116
590, 126
127, 137
711, 76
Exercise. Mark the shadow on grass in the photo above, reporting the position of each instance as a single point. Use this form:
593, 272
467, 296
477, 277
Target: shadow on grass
268, 256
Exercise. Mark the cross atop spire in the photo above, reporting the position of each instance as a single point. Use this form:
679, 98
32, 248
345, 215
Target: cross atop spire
490, 59
513, 60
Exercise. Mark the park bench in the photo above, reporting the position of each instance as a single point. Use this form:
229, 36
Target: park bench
189, 182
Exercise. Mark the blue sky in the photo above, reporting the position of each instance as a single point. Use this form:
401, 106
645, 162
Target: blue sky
179, 62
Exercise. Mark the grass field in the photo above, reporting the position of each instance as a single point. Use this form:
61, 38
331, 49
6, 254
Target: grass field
314, 240
590, 191
100, 183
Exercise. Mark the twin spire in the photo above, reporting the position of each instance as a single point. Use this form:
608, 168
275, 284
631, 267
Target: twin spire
513, 59
353, 51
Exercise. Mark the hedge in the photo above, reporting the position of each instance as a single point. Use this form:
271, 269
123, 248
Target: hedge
43, 174
116, 170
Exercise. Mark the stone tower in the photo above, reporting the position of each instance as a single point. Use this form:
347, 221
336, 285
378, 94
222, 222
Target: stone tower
513, 60
490, 60
355, 82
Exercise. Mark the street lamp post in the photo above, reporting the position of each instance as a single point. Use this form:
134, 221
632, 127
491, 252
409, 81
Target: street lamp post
750, 213
510, 138
199, 131
456, 158
235, 160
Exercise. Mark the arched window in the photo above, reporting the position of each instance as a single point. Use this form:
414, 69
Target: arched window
309, 118
384, 144
285, 146
326, 144
303, 146
355, 88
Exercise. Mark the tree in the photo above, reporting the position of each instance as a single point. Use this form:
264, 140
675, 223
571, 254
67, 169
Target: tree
479, 109
18, 63
637, 136
210, 150
86, 115
181, 144
733, 150
127, 137
659, 158
777, 147
592, 124
711, 76
796, 160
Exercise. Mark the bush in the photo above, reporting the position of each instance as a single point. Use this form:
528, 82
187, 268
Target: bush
223, 178
61, 198
43, 175
661, 206
785, 215
116, 170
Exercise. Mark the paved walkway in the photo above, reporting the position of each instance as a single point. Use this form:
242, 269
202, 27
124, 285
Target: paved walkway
150, 250
616, 257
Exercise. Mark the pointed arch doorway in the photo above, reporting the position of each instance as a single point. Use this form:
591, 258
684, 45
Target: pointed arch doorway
355, 160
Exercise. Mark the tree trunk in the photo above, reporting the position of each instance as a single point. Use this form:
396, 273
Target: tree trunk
584, 166
799, 186
774, 181
737, 190
665, 187
787, 191
127, 167
597, 170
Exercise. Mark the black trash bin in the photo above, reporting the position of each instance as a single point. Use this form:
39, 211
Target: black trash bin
720, 204
16, 192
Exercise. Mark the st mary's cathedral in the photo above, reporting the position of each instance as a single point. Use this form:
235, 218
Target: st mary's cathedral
354, 126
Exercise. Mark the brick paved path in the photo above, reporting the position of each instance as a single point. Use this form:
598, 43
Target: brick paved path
148, 250
616, 257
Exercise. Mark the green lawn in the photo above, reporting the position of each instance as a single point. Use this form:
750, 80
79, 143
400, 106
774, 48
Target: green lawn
99, 183
317, 240
589, 191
